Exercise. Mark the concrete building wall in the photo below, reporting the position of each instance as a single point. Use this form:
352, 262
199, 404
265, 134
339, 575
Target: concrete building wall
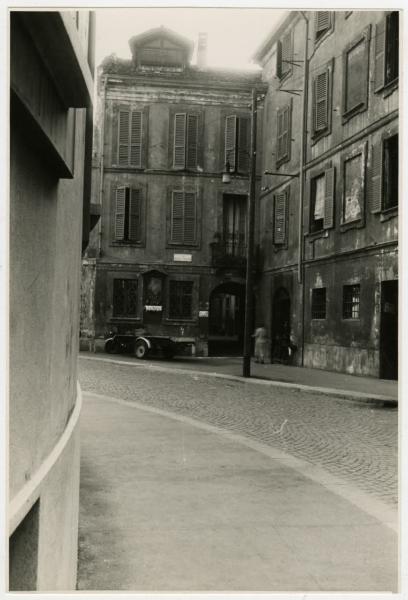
45, 256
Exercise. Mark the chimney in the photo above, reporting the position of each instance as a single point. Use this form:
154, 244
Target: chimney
202, 51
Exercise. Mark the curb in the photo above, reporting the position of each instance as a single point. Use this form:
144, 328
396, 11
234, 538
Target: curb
361, 397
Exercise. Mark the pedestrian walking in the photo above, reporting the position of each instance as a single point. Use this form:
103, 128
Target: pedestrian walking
261, 343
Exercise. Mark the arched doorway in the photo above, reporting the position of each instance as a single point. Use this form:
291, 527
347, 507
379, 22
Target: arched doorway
226, 320
280, 326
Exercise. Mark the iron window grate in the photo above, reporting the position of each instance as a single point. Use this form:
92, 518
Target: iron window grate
351, 301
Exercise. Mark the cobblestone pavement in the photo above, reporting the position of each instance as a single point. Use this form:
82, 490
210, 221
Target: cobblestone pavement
357, 442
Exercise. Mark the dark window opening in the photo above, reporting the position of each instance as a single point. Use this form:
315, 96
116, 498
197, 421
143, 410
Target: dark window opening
319, 303
392, 47
390, 197
317, 203
125, 297
181, 300
351, 301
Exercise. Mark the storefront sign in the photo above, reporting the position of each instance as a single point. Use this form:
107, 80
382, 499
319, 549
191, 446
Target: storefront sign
182, 257
153, 308
203, 313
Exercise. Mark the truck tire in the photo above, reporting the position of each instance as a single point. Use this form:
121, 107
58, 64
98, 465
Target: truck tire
141, 349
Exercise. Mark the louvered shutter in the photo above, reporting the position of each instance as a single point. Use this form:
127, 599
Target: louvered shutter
243, 144
320, 105
376, 178
179, 155
279, 152
286, 53
284, 122
322, 23
136, 139
379, 56
192, 141
189, 218
280, 218
120, 213
230, 140
177, 217
279, 59
135, 215
123, 137
329, 185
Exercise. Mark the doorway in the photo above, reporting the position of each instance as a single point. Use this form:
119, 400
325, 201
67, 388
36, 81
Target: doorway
226, 320
153, 301
389, 330
280, 326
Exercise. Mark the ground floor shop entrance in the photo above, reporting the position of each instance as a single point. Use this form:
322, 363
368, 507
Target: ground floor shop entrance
389, 330
226, 320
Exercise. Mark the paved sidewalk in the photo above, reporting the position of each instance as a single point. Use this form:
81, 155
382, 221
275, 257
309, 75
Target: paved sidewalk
361, 388
171, 504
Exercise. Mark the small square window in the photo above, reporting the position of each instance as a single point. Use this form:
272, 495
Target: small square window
319, 303
351, 301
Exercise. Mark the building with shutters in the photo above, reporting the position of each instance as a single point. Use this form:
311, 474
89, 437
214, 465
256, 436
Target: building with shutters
169, 256
329, 287
51, 90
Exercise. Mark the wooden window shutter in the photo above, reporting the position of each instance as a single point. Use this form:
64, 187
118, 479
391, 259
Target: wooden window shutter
279, 234
230, 140
322, 23
376, 178
286, 53
189, 236
120, 213
136, 139
135, 215
321, 101
177, 217
329, 185
243, 144
192, 141
284, 133
123, 137
379, 55
279, 59
179, 155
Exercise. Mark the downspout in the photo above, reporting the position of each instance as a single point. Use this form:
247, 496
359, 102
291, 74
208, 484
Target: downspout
301, 275
102, 161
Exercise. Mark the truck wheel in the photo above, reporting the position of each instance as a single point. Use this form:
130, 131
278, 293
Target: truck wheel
141, 349
111, 347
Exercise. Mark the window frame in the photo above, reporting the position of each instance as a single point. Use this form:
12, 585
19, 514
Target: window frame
124, 316
280, 113
195, 279
126, 241
361, 149
235, 162
316, 304
170, 197
279, 245
318, 134
283, 75
381, 56
364, 38
348, 315
327, 31
376, 190
179, 296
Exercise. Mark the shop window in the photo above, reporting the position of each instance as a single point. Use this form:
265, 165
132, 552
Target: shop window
128, 211
322, 23
237, 139
384, 175
284, 55
355, 76
180, 299
386, 51
351, 301
130, 138
284, 127
125, 297
183, 218
319, 303
322, 201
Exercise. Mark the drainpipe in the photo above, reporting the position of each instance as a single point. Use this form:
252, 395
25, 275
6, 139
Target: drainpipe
102, 160
301, 278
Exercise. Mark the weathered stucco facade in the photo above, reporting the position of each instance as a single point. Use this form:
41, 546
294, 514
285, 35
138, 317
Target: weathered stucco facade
51, 137
329, 283
171, 233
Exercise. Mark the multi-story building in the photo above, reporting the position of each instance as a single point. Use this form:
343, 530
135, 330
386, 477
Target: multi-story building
329, 291
51, 76
169, 256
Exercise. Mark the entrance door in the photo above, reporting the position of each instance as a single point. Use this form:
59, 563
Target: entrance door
152, 302
280, 326
389, 330
226, 320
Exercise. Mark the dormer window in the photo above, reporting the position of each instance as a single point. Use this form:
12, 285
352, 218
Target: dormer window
161, 53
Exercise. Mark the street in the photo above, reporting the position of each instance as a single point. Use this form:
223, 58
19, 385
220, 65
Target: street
330, 464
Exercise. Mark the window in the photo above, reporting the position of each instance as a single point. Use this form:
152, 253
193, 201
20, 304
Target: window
130, 138
322, 201
128, 221
284, 55
185, 143
353, 188
319, 303
124, 297
237, 137
284, 126
321, 102
181, 299
280, 217
234, 224
351, 301
355, 76
386, 51
183, 218
322, 24
384, 175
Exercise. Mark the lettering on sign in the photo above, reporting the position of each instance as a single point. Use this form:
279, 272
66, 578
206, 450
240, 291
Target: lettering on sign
152, 308
182, 257
203, 313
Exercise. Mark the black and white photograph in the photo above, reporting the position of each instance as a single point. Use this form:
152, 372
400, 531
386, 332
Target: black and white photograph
202, 312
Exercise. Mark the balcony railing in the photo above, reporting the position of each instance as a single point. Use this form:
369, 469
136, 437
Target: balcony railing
228, 254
